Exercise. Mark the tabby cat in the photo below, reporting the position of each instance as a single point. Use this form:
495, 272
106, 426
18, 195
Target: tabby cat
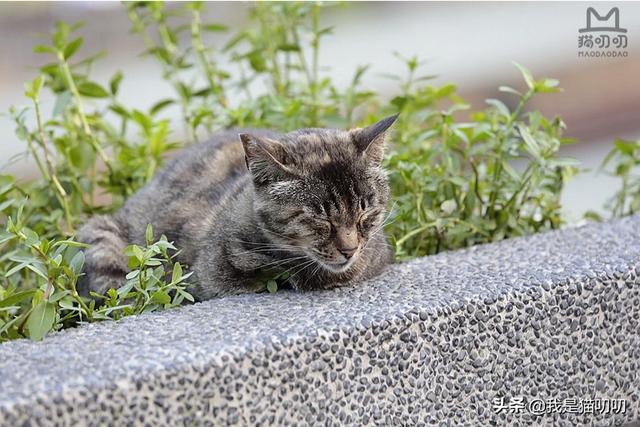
310, 202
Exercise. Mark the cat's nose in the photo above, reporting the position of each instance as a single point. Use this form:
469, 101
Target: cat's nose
348, 252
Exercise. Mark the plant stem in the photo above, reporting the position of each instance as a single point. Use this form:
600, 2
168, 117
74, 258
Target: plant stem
315, 44
209, 71
271, 52
413, 233
83, 117
169, 69
77, 297
51, 176
523, 101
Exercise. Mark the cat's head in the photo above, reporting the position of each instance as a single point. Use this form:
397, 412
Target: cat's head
321, 193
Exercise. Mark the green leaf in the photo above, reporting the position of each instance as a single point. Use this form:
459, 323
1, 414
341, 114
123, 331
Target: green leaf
92, 90
528, 78
124, 290
257, 61
38, 269
119, 110
138, 253
161, 297
566, 162
40, 48
177, 273
5, 237
214, 27
134, 251
143, 120
160, 105
41, 320
448, 206
272, 286
185, 294
235, 40
77, 262
289, 48
499, 105
548, 86
530, 143
68, 304
470, 201
284, 275
114, 83
58, 295
32, 237
71, 243
17, 298
593, 216
508, 89
72, 47
32, 89
626, 147
16, 268
148, 234
510, 170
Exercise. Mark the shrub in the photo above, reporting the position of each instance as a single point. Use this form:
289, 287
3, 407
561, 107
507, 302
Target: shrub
622, 162
457, 179
459, 183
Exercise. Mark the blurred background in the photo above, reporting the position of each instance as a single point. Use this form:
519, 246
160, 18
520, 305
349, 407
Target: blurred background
470, 44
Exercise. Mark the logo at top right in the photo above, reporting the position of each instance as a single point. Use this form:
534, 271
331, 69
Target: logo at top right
602, 37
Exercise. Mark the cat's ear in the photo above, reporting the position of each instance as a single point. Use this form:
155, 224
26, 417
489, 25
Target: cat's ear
370, 140
265, 158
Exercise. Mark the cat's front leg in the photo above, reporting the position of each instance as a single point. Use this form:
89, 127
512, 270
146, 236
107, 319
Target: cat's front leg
217, 275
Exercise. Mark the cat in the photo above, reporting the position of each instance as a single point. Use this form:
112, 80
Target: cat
311, 202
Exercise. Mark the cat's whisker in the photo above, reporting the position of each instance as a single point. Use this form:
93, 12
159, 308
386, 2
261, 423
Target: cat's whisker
284, 245
309, 276
266, 230
301, 268
383, 224
371, 244
261, 244
386, 221
268, 247
288, 239
282, 261
376, 243
262, 251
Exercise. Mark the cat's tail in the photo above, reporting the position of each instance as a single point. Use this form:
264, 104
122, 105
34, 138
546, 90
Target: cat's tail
105, 265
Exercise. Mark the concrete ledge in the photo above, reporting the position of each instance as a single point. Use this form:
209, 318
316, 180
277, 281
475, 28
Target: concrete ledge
436, 340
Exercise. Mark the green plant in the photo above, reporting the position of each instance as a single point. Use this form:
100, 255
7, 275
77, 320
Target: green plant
457, 179
155, 280
46, 297
272, 51
622, 161
92, 152
459, 183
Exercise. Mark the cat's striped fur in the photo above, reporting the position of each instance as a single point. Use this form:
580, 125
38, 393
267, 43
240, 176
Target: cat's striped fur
310, 202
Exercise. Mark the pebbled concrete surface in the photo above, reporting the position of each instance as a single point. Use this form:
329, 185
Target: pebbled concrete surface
439, 340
